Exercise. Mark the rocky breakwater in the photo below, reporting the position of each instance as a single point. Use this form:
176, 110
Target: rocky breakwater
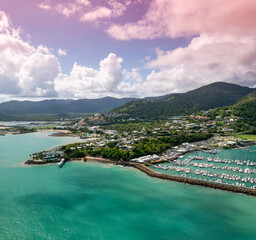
181, 179
39, 162
44, 162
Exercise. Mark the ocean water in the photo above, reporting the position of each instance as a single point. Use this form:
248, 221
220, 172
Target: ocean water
96, 201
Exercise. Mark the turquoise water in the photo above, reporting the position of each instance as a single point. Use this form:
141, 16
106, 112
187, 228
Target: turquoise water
94, 201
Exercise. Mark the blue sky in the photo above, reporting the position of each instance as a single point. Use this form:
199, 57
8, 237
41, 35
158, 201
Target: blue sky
123, 48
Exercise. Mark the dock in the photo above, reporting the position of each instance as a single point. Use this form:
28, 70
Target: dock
61, 163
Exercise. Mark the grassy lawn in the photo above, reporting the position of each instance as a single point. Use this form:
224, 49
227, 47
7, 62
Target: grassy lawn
246, 136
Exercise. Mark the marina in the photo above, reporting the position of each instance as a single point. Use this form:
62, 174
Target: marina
236, 167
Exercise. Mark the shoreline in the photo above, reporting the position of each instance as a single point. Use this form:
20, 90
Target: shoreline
154, 174
54, 133
175, 178
58, 132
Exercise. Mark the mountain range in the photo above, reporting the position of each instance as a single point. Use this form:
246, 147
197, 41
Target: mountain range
14, 109
210, 96
207, 97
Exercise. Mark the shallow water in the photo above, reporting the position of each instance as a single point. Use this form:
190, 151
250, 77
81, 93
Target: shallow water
95, 201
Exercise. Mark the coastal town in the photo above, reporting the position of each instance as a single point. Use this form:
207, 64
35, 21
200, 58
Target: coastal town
164, 146
128, 119
185, 163
100, 136
145, 144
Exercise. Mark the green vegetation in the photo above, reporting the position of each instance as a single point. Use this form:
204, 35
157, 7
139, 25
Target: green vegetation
244, 111
133, 126
147, 146
246, 136
156, 146
23, 130
225, 147
204, 98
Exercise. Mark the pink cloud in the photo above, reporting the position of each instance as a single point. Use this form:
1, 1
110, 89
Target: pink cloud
44, 6
83, 2
4, 22
6, 26
180, 18
67, 9
98, 13
118, 8
62, 52
86, 11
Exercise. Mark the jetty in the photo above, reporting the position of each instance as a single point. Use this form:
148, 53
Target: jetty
61, 163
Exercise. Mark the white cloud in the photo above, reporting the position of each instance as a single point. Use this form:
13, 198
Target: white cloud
84, 82
132, 75
43, 49
62, 52
111, 80
28, 71
36, 75
223, 51
25, 70
207, 59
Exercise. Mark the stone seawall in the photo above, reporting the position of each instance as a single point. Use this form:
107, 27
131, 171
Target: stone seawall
175, 178
40, 162
43, 162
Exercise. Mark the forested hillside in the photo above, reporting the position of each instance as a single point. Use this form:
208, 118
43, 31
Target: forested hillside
204, 98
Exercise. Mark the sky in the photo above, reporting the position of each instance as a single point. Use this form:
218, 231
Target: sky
123, 48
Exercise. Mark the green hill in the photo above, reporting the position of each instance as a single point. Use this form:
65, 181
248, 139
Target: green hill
251, 97
246, 109
207, 97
